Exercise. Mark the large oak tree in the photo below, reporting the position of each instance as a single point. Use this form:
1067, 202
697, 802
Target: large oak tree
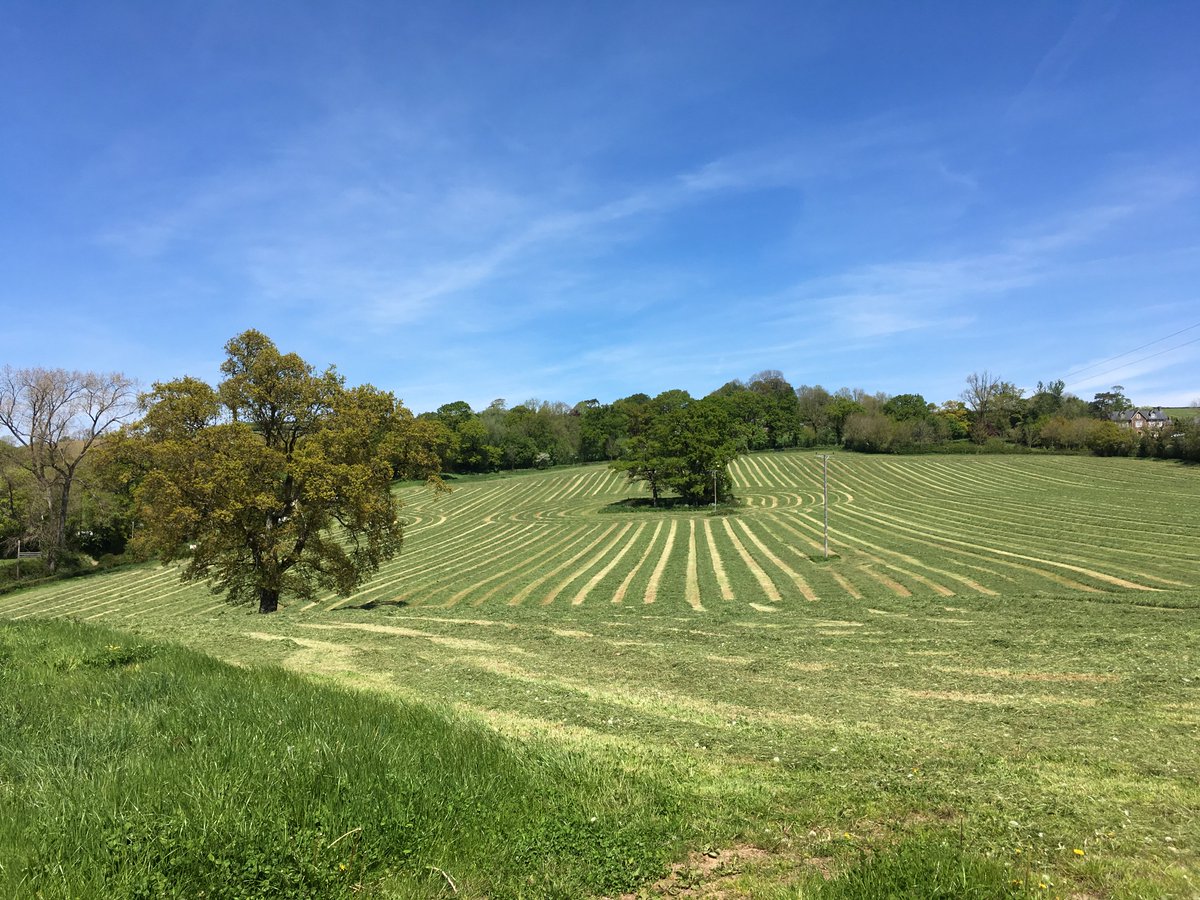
276, 482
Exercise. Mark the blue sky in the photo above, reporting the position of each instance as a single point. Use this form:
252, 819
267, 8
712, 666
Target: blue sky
585, 200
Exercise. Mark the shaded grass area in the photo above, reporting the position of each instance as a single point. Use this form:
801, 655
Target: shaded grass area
132, 769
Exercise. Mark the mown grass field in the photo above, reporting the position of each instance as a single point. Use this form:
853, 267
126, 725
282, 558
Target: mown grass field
1003, 648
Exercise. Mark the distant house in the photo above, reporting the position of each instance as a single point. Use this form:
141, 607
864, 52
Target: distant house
1142, 420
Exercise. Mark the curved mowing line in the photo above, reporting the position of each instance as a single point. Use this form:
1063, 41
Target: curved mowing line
612, 483
759, 476
745, 477
612, 564
1033, 474
512, 547
939, 589
692, 590
652, 586
994, 551
506, 577
796, 577
71, 601
735, 473
404, 567
595, 477
475, 496
911, 476
454, 538
718, 566
799, 471
890, 583
157, 593
414, 561
769, 478
842, 582
768, 586
105, 584
561, 489
1030, 511
129, 611
520, 596
619, 596
910, 535
913, 561
592, 563
1025, 521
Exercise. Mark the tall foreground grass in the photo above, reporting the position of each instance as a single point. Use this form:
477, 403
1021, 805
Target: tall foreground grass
137, 770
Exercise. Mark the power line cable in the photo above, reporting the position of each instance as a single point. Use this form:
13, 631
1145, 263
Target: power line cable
1136, 361
1134, 350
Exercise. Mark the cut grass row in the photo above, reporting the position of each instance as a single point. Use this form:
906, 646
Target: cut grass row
944, 527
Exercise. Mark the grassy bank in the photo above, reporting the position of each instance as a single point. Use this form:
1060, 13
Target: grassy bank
130, 769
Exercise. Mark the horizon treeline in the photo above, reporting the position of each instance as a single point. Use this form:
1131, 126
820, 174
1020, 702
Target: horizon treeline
766, 412
673, 441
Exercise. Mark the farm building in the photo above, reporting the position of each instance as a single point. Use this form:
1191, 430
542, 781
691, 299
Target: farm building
1142, 419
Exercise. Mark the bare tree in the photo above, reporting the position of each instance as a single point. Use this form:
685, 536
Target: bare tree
994, 403
57, 416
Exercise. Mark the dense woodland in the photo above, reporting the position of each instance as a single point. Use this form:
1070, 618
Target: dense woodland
99, 473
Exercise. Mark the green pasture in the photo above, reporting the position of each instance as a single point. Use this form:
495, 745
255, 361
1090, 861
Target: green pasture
1000, 652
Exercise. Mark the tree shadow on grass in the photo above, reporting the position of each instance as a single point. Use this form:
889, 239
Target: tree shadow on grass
666, 504
376, 604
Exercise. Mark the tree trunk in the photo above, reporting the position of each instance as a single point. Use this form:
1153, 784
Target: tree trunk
268, 600
58, 541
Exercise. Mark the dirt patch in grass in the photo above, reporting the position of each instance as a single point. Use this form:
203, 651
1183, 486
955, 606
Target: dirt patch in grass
704, 874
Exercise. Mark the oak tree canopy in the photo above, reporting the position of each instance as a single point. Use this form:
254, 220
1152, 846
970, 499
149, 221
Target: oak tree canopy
274, 483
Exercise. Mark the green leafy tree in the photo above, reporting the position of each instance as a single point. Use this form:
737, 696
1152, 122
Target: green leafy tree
906, 408
838, 410
603, 430
1110, 439
1106, 403
686, 445
277, 482
955, 418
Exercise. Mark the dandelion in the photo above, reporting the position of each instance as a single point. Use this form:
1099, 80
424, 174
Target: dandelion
1017, 851
1077, 852
848, 836
1043, 886
341, 867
